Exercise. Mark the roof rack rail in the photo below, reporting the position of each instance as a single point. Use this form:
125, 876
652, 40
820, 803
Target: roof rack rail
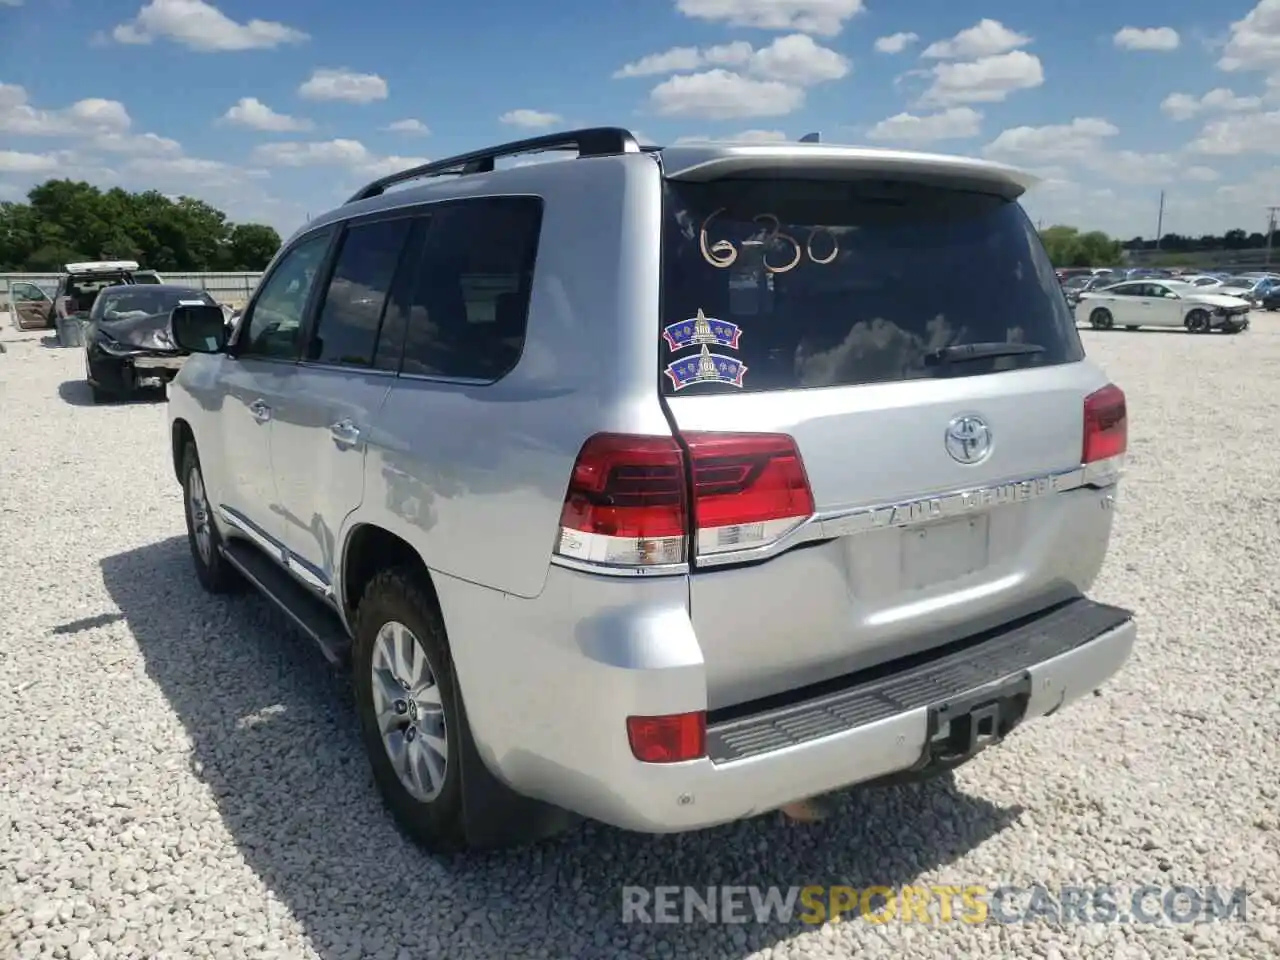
589, 142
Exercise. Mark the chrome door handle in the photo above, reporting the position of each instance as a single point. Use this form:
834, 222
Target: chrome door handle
261, 412
345, 433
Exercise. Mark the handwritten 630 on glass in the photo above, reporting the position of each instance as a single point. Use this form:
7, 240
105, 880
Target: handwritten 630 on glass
722, 253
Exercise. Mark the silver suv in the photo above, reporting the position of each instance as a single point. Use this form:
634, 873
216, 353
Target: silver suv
664, 487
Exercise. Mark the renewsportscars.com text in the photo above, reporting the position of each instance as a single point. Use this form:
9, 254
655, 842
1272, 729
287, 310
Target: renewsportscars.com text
933, 904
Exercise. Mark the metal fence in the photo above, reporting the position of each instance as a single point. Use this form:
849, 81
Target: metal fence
232, 289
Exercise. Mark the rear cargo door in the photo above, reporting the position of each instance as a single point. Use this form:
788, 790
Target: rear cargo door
837, 312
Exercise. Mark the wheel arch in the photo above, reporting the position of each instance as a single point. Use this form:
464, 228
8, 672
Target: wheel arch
180, 434
368, 549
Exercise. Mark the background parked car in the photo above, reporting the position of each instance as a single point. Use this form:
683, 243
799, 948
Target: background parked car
127, 341
31, 304
1163, 303
1251, 288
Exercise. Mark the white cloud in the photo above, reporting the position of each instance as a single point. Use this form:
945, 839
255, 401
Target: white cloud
1077, 140
1239, 133
1201, 174
382, 166
1191, 208
12, 161
313, 153
985, 80
10, 3
410, 125
794, 59
1147, 38
825, 18
83, 118
760, 136
139, 144
1254, 43
797, 59
895, 42
328, 83
985, 38
203, 27
253, 113
1184, 106
350, 154
98, 124
531, 119
681, 59
722, 95
1083, 143
907, 128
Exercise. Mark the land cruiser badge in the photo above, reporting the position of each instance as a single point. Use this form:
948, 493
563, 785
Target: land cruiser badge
706, 367
699, 330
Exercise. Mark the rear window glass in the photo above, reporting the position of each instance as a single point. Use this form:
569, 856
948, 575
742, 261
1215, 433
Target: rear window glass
778, 285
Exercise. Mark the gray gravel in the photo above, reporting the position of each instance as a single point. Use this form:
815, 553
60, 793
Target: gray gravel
180, 776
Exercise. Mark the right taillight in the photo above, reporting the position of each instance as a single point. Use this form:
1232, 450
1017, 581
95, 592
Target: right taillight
1106, 425
749, 489
628, 502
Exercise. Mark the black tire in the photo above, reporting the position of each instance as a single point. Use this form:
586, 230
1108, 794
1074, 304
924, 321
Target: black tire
212, 569
1101, 319
397, 595
1131, 326
98, 395
1198, 322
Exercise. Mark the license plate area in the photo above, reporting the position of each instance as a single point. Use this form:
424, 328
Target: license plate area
941, 552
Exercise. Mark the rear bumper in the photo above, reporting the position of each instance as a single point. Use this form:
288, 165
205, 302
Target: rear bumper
549, 712
765, 762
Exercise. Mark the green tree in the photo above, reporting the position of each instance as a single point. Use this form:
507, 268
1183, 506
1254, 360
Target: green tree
65, 220
250, 243
1068, 247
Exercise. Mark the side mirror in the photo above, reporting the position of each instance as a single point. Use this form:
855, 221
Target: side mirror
199, 328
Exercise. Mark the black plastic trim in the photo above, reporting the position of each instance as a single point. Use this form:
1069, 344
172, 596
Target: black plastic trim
929, 680
312, 615
589, 142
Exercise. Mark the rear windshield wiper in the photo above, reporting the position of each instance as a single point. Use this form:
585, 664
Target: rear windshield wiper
961, 352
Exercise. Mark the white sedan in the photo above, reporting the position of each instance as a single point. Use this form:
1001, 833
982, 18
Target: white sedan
1162, 303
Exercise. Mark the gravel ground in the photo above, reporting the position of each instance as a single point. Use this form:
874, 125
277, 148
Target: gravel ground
180, 775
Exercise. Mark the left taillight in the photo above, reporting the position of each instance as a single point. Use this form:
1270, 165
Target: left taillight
626, 503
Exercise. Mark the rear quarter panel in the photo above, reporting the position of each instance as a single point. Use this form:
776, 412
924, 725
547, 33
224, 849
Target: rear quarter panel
474, 476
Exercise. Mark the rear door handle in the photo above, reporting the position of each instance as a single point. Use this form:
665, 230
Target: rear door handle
345, 433
261, 412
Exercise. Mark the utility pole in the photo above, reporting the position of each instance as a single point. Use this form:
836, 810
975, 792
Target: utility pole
1160, 221
1271, 229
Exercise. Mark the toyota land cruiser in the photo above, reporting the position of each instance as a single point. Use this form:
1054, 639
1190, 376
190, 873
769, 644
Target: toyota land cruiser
663, 486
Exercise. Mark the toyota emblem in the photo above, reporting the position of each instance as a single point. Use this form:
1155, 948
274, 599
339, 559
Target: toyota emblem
968, 439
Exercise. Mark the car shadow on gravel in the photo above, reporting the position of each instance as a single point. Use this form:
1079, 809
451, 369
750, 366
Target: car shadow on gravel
274, 739
78, 394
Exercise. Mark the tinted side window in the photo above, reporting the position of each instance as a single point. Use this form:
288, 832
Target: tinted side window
777, 284
469, 310
347, 328
275, 321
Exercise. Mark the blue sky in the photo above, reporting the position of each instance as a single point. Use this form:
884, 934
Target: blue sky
271, 109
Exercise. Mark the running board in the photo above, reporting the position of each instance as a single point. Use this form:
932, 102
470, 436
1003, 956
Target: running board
313, 616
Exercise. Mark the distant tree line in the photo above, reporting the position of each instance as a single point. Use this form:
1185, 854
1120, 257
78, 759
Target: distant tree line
65, 221
1068, 247
1231, 241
